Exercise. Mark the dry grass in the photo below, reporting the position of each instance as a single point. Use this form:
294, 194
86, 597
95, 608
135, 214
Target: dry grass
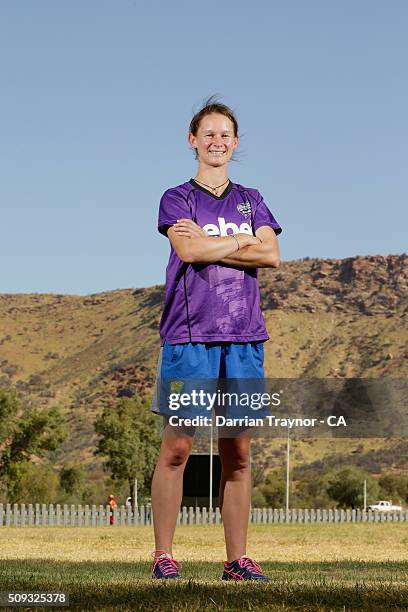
280, 543
319, 568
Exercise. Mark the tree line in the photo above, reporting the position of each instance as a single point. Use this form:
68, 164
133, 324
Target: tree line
129, 443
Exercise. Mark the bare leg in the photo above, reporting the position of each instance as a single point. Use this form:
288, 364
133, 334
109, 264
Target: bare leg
167, 487
235, 493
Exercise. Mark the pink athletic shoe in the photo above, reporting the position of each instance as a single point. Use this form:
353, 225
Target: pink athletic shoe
166, 567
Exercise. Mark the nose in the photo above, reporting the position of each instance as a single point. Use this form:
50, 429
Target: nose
217, 140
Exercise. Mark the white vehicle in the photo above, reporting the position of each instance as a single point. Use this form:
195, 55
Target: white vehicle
385, 506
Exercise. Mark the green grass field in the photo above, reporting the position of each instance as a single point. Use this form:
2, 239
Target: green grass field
313, 567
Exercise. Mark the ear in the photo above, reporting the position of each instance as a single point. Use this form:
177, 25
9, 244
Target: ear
192, 140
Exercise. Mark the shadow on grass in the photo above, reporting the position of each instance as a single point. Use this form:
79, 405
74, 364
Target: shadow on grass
342, 585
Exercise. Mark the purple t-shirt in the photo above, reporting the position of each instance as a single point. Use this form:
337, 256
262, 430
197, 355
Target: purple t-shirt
212, 302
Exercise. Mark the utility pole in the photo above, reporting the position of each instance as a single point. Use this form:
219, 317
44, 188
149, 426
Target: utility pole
211, 468
365, 495
287, 475
250, 472
135, 495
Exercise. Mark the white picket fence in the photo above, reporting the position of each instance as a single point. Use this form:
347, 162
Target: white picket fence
31, 515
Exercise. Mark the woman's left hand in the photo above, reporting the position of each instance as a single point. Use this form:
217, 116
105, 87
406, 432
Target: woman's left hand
187, 227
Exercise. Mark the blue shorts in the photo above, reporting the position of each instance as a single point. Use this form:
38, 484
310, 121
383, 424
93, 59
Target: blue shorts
198, 365
213, 360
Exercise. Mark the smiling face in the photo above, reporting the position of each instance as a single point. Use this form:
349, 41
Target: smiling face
215, 140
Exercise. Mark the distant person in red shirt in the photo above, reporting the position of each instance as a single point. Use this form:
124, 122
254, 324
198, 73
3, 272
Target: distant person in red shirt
112, 505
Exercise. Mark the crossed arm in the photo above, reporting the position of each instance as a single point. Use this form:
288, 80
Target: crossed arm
193, 245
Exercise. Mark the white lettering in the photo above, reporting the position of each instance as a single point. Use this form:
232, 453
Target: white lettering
224, 227
213, 230
333, 421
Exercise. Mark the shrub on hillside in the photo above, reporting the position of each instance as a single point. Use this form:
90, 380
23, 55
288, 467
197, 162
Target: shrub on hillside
394, 487
31, 483
273, 489
258, 499
346, 487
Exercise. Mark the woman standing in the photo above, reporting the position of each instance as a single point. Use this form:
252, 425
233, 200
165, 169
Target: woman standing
212, 326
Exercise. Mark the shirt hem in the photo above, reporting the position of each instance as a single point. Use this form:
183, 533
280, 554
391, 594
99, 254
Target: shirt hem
215, 338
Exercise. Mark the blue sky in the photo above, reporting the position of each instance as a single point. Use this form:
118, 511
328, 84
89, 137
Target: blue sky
96, 99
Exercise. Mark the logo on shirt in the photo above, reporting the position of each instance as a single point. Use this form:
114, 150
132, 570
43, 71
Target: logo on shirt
224, 228
244, 209
176, 386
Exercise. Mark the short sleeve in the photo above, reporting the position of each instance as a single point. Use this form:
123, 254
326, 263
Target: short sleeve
172, 207
263, 216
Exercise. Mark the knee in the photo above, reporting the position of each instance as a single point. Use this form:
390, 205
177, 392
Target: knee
177, 454
237, 460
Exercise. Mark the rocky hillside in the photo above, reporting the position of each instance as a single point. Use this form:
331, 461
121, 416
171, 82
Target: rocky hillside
325, 318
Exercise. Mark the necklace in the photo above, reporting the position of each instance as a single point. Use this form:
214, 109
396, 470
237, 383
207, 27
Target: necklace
213, 189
